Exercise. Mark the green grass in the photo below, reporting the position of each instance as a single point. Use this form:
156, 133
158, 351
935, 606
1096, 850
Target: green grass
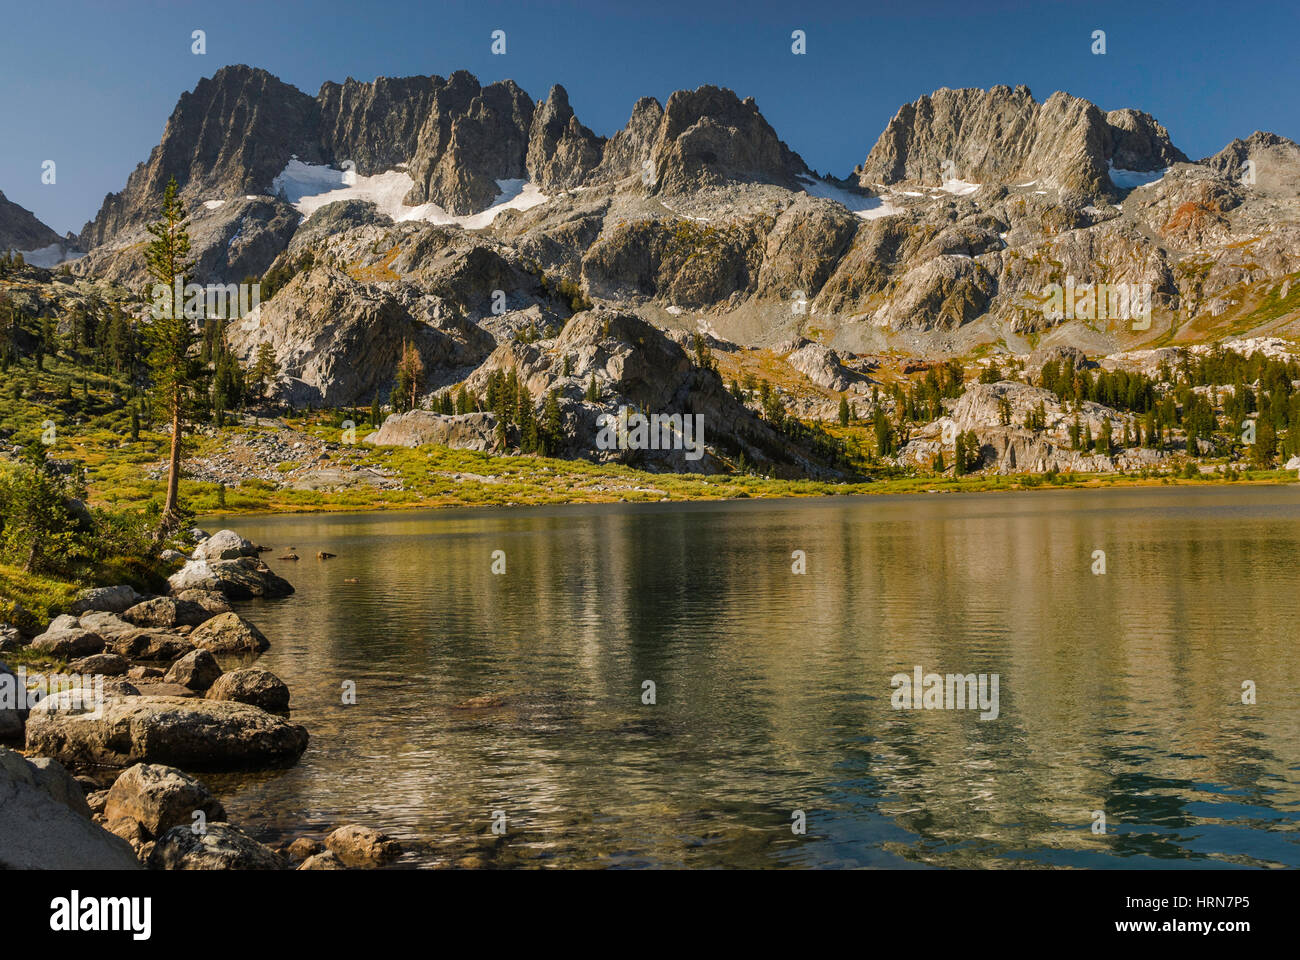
28, 600
96, 431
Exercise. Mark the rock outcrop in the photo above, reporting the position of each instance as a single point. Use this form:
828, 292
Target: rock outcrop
44, 827
1005, 136
240, 579
416, 428
187, 733
20, 230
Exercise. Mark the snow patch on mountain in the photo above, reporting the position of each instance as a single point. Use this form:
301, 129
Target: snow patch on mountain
308, 187
1128, 179
868, 208
50, 256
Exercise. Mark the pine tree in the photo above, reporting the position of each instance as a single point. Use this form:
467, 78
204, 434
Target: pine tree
553, 424
265, 369
410, 371
170, 336
844, 410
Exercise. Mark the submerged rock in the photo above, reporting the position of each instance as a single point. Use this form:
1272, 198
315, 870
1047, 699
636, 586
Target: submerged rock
359, 846
322, 861
220, 847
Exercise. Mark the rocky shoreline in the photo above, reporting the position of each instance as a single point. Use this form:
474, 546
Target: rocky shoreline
148, 697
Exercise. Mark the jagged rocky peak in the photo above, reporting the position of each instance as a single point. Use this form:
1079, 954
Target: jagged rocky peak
1265, 161
20, 230
375, 125
472, 137
1004, 136
562, 153
709, 137
1139, 142
231, 135
629, 148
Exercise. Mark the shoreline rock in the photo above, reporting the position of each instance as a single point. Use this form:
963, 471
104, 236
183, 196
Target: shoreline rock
193, 734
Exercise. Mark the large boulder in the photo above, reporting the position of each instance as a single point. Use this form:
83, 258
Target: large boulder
68, 643
165, 612
239, 579
197, 670
40, 831
251, 685
224, 545
155, 645
105, 664
229, 633
113, 599
210, 600
159, 797
54, 778
106, 624
220, 847
359, 846
193, 734
465, 431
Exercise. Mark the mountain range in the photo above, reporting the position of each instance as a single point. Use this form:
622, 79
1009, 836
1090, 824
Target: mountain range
458, 216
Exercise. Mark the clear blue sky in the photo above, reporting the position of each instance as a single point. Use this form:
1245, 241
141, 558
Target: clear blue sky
90, 84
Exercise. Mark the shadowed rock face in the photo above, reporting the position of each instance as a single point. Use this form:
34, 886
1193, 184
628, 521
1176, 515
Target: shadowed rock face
375, 125
20, 230
472, 138
561, 151
231, 135
709, 136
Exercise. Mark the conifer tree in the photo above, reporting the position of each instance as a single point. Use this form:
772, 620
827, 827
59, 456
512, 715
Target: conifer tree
170, 335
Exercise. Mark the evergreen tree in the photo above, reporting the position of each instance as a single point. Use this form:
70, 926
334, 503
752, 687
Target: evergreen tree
265, 369
844, 410
170, 336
